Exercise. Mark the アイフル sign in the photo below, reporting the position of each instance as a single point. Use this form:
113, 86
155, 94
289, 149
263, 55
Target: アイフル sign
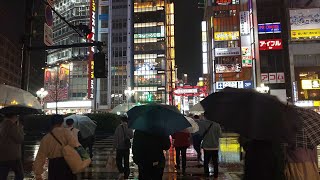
270, 44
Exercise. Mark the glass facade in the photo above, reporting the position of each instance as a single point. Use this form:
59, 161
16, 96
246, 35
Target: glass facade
153, 50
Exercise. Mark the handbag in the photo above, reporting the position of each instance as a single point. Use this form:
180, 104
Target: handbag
127, 141
77, 158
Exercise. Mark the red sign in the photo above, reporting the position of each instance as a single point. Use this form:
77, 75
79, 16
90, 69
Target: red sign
270, 44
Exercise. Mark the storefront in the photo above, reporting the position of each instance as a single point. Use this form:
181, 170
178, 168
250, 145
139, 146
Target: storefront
69, 107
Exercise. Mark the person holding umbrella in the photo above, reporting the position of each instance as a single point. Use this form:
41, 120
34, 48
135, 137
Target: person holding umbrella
121, 142
74, 131
148, 154
197, 139
11, 139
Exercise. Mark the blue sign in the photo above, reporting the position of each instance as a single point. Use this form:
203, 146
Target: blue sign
247, 84
268, 28
103, 16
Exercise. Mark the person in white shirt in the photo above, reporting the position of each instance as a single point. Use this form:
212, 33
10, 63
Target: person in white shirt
50, 148
74, 131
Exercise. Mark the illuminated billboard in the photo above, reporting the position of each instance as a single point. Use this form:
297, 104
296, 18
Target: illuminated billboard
310, 84
226, 36
268, 28
305, 24
56, 82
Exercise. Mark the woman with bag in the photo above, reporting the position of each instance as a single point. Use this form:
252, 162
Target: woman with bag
122, 144
51, 148
181, 142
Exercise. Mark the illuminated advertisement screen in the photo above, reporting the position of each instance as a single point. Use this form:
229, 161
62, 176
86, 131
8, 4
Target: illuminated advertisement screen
268, 28
310, 84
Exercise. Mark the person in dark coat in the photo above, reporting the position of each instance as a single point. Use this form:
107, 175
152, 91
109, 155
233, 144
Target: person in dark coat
197, 139
148, 154
11, 139
123, 149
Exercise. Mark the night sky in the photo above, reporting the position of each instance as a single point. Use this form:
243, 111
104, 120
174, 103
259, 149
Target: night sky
188, 39
12, 19
188, 32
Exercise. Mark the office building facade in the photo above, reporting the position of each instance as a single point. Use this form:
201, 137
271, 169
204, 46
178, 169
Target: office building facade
154, 51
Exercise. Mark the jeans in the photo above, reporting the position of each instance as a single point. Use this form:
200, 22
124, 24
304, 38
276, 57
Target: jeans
211, 155
15, 166
183, 151
123, 167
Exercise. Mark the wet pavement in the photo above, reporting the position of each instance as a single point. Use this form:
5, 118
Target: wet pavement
229, 157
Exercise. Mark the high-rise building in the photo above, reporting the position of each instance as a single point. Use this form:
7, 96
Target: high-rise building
10, 63
114, 24
231, 55
154, 51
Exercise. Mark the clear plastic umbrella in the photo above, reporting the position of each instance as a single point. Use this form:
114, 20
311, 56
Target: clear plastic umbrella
14, 96
123, 108
86, 126
194, 126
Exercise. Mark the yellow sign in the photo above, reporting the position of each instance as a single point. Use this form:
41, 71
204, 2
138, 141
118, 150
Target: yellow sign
310, 34
226, 36
310, 84
316, 103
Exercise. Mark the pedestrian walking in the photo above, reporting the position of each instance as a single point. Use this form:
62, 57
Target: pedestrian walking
148, 154
122, 144
11, 139
210, 145
50, 148
197, 139
181, 142
74, 131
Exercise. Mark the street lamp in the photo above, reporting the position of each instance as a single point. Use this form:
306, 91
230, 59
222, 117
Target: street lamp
129, 92
41, 94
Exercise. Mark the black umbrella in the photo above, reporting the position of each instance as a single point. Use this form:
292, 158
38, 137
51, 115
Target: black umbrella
251, 114
19, 110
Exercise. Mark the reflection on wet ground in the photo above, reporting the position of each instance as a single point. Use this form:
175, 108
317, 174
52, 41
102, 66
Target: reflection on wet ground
229, 156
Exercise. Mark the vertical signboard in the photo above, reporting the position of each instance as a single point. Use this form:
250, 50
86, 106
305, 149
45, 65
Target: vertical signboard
244, 23
91, 50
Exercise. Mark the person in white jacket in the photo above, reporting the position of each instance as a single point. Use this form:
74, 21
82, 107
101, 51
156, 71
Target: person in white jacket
50, 148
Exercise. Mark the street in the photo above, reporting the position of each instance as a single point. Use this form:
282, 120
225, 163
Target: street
230, 166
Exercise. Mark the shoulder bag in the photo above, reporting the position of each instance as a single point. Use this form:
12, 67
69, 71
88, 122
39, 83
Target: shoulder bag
77, 158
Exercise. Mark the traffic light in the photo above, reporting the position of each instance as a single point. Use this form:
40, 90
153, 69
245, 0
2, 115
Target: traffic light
100, 70
85, 30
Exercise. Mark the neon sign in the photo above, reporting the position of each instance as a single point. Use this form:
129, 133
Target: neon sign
91, 50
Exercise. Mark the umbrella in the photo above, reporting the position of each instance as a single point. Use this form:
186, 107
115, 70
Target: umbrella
19, 110
12, 96
197, 108
251, 114
86, 126
123, 108
308, 136
194, 126
157, 119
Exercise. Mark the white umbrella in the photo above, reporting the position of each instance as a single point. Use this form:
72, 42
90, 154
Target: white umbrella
86, 126
197, 108
123, 108
194, 126
14, 96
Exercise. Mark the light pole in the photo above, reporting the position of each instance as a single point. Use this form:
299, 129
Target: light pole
129, 92
41, 94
